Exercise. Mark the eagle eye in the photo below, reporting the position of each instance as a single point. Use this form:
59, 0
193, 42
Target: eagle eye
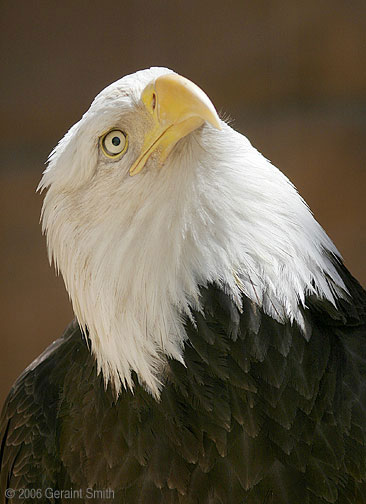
114, 143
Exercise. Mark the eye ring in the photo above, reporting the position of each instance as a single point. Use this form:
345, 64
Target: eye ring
114, 143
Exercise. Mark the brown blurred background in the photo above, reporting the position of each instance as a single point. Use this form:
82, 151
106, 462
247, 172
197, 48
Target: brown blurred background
290, 73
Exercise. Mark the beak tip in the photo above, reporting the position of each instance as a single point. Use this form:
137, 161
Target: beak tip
218, 126
215, 121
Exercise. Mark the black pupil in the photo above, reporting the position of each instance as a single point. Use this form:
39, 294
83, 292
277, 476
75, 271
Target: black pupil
116, 141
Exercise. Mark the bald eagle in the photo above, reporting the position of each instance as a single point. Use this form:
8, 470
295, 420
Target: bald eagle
218, 355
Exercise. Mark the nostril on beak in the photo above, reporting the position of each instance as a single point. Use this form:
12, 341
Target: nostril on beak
153, 101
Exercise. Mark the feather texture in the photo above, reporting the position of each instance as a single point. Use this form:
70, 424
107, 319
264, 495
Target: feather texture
298, 428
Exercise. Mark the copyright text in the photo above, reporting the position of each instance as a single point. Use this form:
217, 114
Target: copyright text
53, 493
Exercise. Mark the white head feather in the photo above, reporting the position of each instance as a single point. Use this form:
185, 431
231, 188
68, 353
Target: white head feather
134, 251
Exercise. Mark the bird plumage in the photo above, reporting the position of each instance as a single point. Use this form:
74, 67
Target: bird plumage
227, 360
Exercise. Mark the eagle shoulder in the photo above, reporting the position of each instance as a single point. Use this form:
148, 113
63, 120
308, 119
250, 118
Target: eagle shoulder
28, 426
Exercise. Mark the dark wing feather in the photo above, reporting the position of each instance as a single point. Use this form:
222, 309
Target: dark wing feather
302, 418
29, 439
260, 414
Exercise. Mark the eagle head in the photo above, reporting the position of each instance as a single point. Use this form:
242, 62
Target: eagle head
150, 196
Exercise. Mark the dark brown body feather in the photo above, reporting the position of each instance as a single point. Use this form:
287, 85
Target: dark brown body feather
263, 413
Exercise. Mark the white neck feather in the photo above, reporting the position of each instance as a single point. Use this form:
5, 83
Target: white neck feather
134, 254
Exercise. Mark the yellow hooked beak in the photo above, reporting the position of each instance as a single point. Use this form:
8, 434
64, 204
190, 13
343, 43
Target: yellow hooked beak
177, 107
